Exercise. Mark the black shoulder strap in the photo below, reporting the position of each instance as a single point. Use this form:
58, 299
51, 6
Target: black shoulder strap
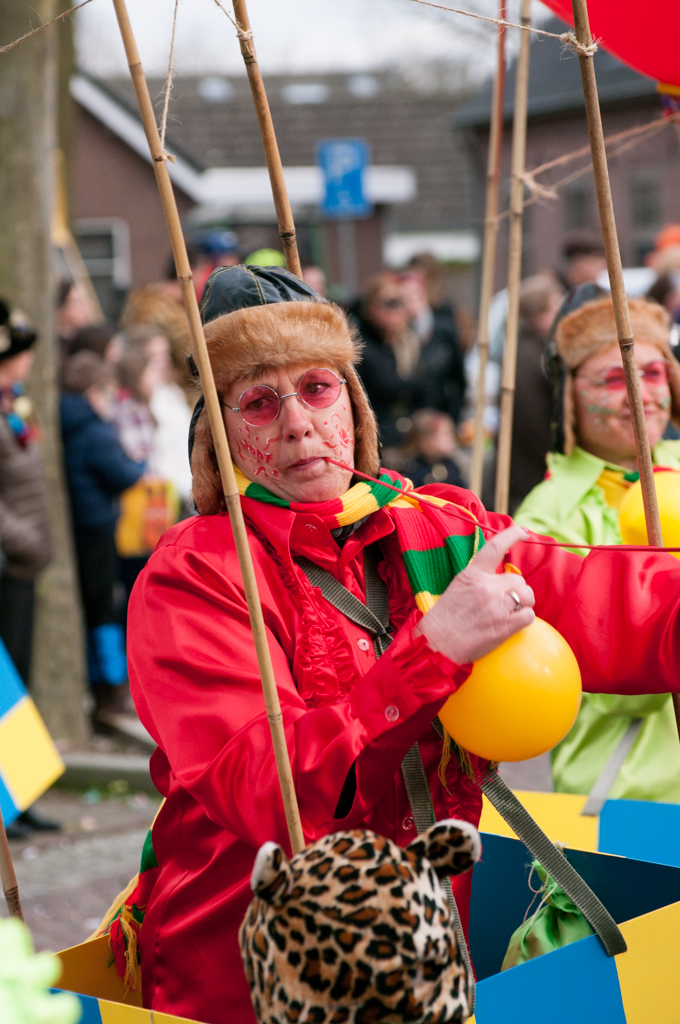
374, 618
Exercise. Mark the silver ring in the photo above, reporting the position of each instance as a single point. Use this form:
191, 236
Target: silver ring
515, 598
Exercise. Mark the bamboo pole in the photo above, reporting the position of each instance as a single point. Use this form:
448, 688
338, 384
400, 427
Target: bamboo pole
284, 215
519, 145
213, 408
488, 255
624, 329
8, 877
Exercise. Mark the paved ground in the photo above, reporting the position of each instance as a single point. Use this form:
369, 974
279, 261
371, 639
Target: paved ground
67, 881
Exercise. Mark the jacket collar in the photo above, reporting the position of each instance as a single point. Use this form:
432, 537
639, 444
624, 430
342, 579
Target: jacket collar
574, 475
296, 533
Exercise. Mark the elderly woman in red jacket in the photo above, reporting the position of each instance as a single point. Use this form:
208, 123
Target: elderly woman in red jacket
284, 363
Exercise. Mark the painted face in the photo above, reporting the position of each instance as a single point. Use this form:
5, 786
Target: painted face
603, 420
288, 456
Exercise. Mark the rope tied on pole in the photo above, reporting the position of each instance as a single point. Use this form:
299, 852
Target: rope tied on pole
581, 49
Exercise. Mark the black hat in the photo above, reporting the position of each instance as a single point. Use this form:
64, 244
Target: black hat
240, 287
231, 288
16, 333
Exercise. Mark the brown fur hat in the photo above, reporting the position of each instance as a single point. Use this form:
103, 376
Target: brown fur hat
592, 327
248, 341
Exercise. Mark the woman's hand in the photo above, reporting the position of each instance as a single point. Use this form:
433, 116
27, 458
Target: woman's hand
476, 613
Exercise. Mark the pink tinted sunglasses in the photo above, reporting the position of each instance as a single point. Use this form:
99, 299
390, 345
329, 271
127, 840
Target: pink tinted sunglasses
654, 374
260, 404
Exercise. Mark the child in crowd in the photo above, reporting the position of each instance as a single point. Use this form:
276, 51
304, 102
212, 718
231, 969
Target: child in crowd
97, 472
430, 450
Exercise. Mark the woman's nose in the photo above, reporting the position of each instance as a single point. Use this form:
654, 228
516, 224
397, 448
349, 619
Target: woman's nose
295, 419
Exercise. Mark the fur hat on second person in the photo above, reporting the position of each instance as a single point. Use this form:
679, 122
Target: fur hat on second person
258, 318
586, 324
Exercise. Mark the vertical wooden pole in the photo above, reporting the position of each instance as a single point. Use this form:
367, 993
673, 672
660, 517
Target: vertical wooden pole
519, 140
284, 215
624, 329
8, 877
214, 411
488, 255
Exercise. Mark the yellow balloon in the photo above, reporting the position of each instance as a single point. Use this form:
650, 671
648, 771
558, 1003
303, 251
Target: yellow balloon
520, 700
632, 515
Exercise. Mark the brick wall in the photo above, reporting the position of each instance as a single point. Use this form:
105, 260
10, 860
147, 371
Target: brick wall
110, 180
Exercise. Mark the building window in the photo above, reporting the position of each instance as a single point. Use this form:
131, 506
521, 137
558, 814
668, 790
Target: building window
646, 202
577, 210
104, 245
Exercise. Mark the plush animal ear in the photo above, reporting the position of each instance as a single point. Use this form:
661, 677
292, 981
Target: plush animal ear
272, 874
452, 847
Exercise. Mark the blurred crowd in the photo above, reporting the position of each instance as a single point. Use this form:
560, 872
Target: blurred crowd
127, 397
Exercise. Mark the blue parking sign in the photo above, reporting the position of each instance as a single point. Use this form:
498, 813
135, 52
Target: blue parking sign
343, 163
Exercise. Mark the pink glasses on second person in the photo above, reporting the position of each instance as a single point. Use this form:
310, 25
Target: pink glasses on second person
654, 374
260, 405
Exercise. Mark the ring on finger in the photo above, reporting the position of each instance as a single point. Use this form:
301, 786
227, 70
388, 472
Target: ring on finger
515, 598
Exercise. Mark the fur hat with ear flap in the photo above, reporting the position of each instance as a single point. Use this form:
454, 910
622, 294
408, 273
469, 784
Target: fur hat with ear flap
585, 326
270, 319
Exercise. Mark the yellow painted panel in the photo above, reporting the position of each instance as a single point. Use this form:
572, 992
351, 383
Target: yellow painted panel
117, 1013
86, 970
29, 760
649, 973
558, 814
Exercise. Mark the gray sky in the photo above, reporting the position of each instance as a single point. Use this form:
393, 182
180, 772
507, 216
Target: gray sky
292, 36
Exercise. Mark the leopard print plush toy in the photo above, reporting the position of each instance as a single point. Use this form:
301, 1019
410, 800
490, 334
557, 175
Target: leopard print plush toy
355, 929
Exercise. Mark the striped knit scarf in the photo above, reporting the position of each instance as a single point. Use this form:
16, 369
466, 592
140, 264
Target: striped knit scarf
435, 545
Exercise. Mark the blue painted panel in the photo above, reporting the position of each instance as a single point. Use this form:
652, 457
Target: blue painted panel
9, 809
574, 985
642, 830
501, 896
11, 687
91, 1014
628, 888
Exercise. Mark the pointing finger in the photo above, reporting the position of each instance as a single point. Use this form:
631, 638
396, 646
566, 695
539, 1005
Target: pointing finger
491, 555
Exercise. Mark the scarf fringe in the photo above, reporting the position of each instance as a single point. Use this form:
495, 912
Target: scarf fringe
114, 910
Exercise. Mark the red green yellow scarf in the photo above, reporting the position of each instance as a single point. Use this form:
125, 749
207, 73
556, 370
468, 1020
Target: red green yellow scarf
435, 545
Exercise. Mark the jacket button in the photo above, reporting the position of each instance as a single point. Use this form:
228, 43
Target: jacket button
363, 644
391, 712
408, 823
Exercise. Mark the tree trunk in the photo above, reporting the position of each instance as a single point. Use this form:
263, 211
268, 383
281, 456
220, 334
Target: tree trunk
28, 119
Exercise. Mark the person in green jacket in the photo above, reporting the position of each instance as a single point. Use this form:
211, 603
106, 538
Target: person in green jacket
587, 478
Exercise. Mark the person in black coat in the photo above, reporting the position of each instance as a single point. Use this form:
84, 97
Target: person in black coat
97, 472
401, 373
539, 300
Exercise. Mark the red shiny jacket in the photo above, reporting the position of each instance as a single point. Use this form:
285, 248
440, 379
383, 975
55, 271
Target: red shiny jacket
196, 686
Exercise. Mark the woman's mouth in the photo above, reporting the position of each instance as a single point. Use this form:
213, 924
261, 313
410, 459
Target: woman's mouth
313, 460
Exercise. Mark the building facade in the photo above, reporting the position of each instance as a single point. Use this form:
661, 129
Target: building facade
644, 177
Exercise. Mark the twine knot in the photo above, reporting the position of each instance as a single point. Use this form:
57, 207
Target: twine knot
245, 37
537, 190
582, 49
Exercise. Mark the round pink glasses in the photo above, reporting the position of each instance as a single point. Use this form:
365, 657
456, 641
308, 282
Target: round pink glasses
260, 404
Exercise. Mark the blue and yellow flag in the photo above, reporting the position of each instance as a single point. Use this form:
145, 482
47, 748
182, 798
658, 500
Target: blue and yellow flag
29, 760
